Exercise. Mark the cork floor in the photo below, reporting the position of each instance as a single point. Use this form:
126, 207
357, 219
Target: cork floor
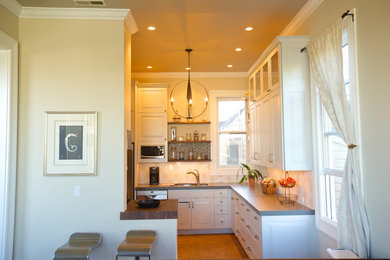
220, 246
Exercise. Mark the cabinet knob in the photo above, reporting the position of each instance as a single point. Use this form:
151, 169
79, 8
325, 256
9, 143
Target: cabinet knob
256, 218
257, 237
247, 210
221, 210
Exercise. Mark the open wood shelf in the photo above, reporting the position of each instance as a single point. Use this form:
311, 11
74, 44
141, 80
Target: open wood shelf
184, 123
170, 160
188, 142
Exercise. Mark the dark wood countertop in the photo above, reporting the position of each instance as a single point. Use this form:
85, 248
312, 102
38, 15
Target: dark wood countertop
166, 210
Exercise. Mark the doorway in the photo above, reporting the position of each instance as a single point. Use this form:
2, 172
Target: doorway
8, 142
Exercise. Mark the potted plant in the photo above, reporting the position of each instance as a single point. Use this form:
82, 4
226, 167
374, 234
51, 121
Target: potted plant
252, 174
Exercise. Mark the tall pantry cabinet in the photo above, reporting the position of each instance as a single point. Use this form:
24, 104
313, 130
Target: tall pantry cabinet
279, 107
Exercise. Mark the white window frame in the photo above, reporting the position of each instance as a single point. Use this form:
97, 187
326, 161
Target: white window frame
324, 224
216, 95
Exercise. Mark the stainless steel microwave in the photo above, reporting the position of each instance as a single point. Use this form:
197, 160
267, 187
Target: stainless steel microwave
152, 153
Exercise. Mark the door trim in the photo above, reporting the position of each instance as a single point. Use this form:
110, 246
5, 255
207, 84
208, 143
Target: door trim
7, 239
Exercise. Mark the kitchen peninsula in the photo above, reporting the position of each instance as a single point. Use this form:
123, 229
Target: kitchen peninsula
162, 219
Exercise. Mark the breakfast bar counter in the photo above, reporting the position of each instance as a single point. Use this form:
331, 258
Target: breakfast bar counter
166, 210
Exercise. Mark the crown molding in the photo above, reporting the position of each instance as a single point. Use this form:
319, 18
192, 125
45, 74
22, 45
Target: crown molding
297, 21
182, 75
130, 23
301, 17
74, 13
12, 5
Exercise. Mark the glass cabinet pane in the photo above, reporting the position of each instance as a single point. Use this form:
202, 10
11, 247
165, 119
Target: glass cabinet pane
251, 88
265, 77
257, 84
275, 68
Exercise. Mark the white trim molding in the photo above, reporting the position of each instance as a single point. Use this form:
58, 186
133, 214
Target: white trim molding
11, 46
180, 75
12, 5
74, 13
130, 23
301, 17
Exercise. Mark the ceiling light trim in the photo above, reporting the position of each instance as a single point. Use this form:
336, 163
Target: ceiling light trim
130, 23
12, 5
74, 13
180, 75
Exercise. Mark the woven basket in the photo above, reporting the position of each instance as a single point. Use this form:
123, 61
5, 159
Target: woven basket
268, 188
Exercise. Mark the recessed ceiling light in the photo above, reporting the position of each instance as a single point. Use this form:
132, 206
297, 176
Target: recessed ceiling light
238, 49
149, 67
229, 66
248, 29
188, 68
151, 28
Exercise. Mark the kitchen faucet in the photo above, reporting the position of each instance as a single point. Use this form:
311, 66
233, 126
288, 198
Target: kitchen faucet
196, 174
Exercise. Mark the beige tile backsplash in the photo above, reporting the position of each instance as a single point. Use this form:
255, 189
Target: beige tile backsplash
174, 172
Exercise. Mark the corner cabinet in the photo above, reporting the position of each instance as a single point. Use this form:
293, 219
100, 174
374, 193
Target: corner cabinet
279, 111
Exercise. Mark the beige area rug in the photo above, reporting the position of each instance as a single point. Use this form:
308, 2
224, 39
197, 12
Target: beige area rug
221, 246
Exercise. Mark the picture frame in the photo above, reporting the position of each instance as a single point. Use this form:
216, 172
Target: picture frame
70, 144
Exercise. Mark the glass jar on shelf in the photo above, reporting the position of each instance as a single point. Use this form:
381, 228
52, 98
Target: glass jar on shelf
188, 137
174, 153
196, 135
191, 154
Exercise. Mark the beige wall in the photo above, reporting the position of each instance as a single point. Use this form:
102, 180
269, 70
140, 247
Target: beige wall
8, 22
69, 65
373, 41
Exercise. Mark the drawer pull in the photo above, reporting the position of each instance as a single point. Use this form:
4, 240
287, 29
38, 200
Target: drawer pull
221, 221
249, 249
221, 201
236, 198
220, 193
247, 210
221, 210
236, 213
242, 220
249, 227
256, 218
242, 204
257, 237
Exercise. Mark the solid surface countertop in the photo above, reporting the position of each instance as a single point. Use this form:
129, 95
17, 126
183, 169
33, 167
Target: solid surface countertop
166, 210
265, 205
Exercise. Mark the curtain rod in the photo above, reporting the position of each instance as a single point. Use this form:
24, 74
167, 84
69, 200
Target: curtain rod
342, 16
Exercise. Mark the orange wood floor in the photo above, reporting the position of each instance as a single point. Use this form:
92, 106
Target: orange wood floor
220, 246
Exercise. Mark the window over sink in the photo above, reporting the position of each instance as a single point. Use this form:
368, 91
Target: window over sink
228, 130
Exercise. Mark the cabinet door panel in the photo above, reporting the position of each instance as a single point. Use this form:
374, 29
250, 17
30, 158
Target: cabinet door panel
152, 127
184, 214
152, 100
276, 156
202, 213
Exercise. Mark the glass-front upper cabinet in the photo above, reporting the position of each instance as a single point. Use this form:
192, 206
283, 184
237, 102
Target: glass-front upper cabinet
257, 84
252, 89
275, 75
265, 72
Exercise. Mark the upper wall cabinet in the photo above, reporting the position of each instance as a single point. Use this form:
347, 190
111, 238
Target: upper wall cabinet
151, 113
152, 98
280, 108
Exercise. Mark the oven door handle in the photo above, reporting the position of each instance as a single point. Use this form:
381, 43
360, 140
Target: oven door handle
152, 157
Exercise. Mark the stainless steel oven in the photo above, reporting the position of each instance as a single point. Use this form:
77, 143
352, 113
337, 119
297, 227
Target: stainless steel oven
152, 153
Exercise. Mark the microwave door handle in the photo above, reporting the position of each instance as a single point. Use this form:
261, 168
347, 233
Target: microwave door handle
152, 156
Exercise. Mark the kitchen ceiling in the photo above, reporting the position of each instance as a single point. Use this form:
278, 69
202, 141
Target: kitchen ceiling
212, 28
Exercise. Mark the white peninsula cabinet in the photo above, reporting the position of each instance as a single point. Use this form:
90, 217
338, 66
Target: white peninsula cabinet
279, 107
202, 209
272, 236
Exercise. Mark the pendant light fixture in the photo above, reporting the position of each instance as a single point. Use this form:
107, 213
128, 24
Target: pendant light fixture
194, 95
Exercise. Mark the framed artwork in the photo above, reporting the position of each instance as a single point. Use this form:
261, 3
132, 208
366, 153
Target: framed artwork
70, 143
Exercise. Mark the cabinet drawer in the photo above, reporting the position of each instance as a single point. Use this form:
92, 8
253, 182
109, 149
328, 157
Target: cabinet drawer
177, 194
221, 221
221, 201
254, 221
223, 193
221, 210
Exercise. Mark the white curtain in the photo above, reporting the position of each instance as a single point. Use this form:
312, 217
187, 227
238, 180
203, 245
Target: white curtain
325, 56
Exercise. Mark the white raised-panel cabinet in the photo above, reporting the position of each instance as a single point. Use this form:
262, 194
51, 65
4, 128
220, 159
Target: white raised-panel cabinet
184, 211
288, 236
152, 98
282, 133
202, 213
152, 127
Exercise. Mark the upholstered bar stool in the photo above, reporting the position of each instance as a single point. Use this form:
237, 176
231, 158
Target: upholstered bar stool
79, 246
138, 243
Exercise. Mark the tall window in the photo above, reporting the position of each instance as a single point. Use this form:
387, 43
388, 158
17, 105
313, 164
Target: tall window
231, 132
332, 150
